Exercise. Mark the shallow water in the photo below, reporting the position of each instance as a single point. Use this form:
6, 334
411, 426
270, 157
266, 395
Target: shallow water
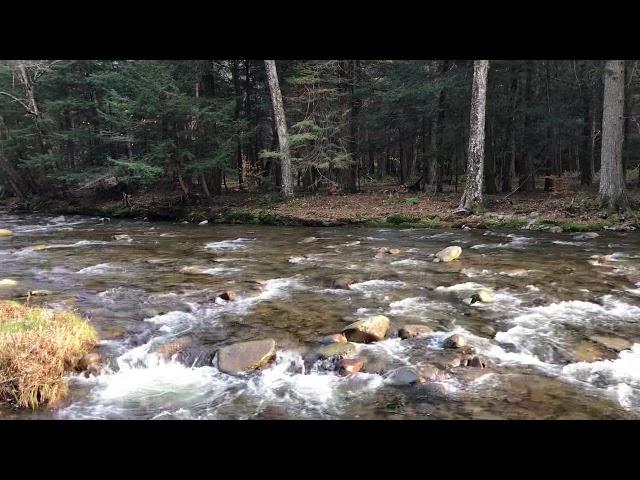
553, 292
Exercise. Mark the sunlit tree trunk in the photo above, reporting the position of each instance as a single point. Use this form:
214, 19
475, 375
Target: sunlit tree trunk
612, 189
281, 125
472, 196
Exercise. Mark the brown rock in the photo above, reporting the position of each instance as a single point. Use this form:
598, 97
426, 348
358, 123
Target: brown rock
372, 329
336, 338
348, 367
336, 350
409, 331
455, 341
246, 356
229, 295
89, 361
431, 373
343, 283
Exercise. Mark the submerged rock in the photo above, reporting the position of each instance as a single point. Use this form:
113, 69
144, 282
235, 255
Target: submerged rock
348, 366
122, 237
488, 331
343, 283
383, 251
38, 293
590, 352
246, 356
431, 373
5, 232
586, 236
614, 343
336, 350
336, 338
7, 282
372, 329
455, 341
308, 240
403, 376
38, 248
448, 254
555, 229
204, 222
88, 360
409, 331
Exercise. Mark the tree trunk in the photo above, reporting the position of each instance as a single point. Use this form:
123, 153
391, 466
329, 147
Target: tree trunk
612, 189
281, 124
472, 196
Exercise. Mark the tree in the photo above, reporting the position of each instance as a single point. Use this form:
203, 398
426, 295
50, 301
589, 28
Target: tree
281, 125
472, 196
612, 189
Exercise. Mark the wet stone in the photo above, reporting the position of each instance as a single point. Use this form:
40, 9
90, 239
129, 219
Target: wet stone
343, 283
246, 356
454, 341
448, 254
348, 367
403, 376
336, 338
614, 343
336, 350
409, 331
372, 329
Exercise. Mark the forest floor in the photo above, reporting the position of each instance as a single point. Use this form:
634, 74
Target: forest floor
380, 204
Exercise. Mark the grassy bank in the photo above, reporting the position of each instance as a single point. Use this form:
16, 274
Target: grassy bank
37, 346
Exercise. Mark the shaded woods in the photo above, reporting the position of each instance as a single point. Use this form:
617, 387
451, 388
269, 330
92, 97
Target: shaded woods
202, 128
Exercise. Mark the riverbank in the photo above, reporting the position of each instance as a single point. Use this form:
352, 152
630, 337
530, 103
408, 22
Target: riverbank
381, 206
37, 347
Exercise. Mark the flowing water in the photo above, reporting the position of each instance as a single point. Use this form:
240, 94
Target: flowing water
553, 295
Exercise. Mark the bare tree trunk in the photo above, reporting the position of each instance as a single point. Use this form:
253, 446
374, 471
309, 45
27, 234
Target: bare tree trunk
472, 196
281, 124
612, 189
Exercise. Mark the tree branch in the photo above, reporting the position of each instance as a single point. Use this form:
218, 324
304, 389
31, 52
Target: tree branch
16, 99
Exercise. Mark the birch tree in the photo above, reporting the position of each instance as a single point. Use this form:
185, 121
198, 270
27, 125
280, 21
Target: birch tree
612, 188
281, 125
472, 196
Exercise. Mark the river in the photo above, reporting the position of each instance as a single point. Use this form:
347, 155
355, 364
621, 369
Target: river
547, 336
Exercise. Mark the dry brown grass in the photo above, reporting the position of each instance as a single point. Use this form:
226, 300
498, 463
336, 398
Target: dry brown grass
37, 346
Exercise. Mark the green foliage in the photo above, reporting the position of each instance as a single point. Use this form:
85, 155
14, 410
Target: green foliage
411, 201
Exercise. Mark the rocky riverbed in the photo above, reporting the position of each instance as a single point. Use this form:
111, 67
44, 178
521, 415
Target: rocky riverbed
251, 321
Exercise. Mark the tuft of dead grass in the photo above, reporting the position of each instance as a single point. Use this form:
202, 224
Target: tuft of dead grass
37, 346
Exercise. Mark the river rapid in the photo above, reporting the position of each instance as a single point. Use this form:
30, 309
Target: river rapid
561, 338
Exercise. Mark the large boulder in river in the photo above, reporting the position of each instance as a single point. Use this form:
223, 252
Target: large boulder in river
343, 283
246, 356
448, 254
409, 331
454, 341
5, 233
372, 329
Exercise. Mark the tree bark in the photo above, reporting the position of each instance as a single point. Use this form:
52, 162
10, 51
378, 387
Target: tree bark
472, 196
612, 188
281, 125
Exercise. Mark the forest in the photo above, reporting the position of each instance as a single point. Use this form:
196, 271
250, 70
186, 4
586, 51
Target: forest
197, 130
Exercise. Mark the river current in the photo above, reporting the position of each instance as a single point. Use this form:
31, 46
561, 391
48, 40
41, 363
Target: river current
561, 338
